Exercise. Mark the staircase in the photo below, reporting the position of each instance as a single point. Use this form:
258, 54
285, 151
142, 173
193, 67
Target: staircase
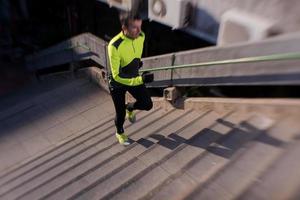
209, 149
192, 153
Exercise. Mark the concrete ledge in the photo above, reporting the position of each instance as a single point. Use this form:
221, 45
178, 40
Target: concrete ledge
272, 107
98, 76
275, 108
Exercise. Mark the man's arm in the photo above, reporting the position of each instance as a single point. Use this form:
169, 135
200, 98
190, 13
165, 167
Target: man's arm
114, 60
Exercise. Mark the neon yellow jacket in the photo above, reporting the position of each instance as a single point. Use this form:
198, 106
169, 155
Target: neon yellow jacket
125, 55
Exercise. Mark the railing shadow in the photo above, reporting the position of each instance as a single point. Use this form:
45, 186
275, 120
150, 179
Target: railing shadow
224, 145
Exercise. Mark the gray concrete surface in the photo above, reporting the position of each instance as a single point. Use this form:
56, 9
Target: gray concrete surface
41, 119
60, 144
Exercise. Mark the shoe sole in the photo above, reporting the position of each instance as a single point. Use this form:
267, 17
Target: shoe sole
125, 144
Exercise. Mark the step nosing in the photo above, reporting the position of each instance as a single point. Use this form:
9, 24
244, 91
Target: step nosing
238, 152
56, 165
53, 157
119, 154
276, 166
74, 146
52, 150
74, 155
152, 166
182, 171
101, 151
251, 145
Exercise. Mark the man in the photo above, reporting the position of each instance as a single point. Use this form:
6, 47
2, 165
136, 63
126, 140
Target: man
125, 51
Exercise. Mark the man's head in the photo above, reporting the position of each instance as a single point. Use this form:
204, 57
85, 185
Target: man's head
131, 24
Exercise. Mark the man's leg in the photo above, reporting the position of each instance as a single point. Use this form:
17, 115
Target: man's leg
118, 97
142, 96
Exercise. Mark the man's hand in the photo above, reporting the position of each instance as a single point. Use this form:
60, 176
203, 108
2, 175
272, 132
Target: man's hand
147, 77
140, 64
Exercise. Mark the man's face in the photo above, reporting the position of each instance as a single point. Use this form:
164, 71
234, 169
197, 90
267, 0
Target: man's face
134, 29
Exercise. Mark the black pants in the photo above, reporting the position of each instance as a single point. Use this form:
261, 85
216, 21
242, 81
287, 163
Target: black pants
143, 102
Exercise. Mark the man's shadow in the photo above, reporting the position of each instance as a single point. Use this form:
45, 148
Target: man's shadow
224, 145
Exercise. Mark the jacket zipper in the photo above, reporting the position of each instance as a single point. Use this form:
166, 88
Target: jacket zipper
133, 46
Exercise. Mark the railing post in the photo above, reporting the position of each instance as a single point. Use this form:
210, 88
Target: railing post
172, 70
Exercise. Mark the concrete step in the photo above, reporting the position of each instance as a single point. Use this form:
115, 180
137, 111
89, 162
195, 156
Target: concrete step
87, 166
229, 148
51, 154
148, 161
175, 154
44, 90
64, 162
160, 170
243, 171
120, 157
215, 156
50, 159
195, 149
52, 117
281, 179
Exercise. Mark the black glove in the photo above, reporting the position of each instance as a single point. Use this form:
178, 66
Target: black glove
147, 77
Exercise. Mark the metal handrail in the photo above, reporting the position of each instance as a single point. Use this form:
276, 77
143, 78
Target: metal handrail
266, 58
273, 57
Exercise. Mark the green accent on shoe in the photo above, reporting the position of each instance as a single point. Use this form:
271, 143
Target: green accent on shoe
130, 116
123, 139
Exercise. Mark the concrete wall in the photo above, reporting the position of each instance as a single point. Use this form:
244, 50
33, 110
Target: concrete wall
285, 13
284, 72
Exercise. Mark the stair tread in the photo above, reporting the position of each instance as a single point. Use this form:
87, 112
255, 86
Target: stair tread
197, 168
281, 179
118, 157
159, 152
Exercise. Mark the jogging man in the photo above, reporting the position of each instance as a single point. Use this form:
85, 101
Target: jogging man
125, 52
